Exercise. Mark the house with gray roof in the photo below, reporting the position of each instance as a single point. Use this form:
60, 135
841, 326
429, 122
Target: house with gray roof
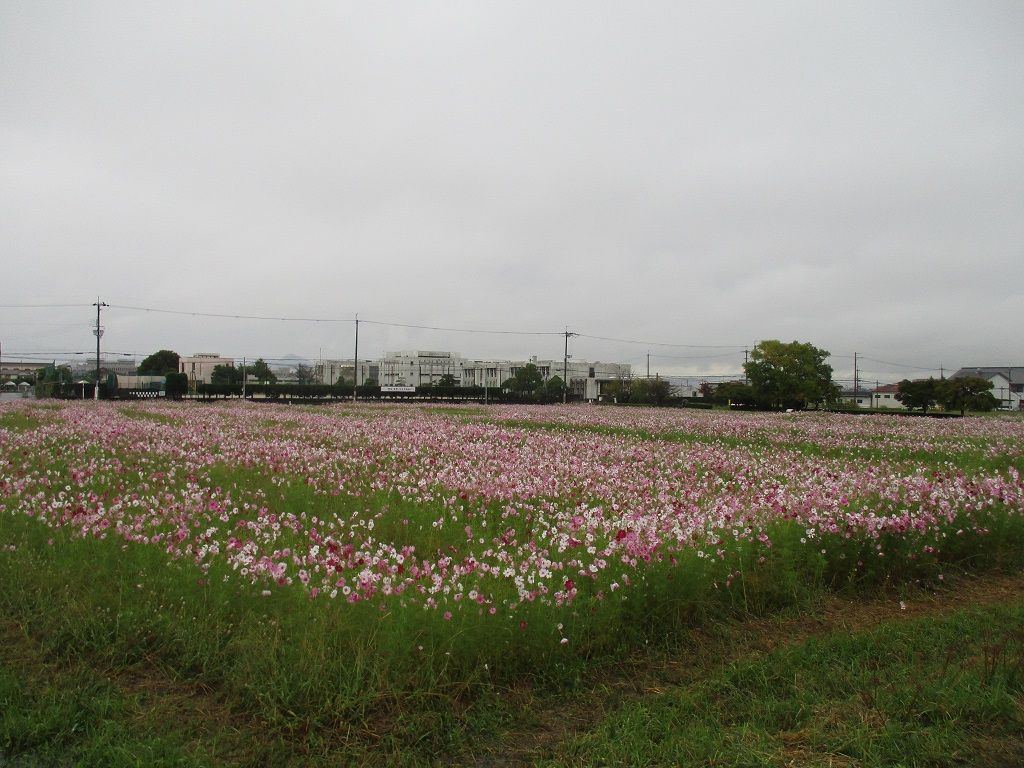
1007, 383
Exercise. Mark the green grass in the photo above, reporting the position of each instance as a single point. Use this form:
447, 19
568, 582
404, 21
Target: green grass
936, 691
20, 420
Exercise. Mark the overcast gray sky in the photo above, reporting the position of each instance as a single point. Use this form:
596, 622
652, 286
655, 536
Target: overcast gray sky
667, 173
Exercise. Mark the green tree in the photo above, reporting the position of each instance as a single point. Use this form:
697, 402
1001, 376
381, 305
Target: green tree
734, 393
225, 374
54, 381
448, 380
650, 391
261, 372
176, 385
160, 363
305, 374
967, 393
792, 375
553, 388
527, 380
618, 390
921, 394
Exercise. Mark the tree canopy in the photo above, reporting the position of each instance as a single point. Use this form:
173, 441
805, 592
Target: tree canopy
176, 385
160, 363
650, 391
525, 381
55, 381
553, 388
733, 393
305, 374
792, 375
261, 372
921, 394
225, 374
967, 393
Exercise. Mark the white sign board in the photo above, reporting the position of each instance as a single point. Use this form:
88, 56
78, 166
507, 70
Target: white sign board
398, 389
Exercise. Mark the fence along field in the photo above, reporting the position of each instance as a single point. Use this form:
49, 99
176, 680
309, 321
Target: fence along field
364, 574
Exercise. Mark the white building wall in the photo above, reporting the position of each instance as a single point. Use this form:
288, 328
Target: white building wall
585, 379
329, 371
886, 400
418, 368
1003, 392
200, 366
422, 367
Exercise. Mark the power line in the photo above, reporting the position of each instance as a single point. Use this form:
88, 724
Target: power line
238, 316
43, 306
661, 344
705, 376
65, 352
417, 327
232, 316
694, 357
463, 330
331, 320
898, 365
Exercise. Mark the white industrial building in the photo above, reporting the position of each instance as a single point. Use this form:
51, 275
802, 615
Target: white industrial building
586, 380
419, 368
122, 366
415, 368
330, 371
422, 367
199, 366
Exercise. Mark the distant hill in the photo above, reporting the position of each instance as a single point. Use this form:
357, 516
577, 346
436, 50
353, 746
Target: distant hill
290, 361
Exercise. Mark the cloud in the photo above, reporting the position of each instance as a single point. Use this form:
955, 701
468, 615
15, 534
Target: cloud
660, 172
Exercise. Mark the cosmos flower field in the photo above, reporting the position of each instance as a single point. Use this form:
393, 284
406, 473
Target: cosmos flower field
367, 579
496, 511
362, 576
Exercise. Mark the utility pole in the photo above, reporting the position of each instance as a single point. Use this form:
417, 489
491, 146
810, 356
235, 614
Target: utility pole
99, 333
244, 377
565, 366
746, 378
355, 362
648, 365
856, 380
